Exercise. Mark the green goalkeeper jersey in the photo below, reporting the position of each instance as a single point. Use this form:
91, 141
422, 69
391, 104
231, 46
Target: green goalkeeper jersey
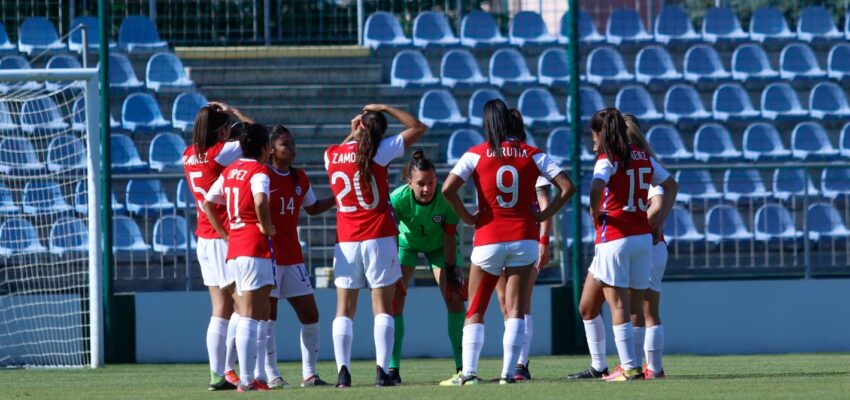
421, 226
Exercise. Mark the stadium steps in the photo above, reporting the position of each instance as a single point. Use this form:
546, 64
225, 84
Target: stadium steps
280, 75
304, 114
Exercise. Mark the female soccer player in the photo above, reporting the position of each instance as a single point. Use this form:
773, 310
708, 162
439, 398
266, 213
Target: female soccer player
505, 171
366, 251
427, 225
290, 191
243, 188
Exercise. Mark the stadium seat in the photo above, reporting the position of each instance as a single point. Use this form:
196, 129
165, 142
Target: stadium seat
7, 202
438, 108
138, 33
723, 223
565, 222
720, 24
75, 41
165, 71
66, 153
683, 104
6, 46
835, 183
838, 64
680, 228
750, 63
125, 158
68, 236
145, 197
184, 198
17, 62
529, 140
591, 102
605, 67
779, 102
527, 28
768, 24
141, 113
18, 156
37, 35
732, 103
7, 124
18, 236
654, 65
476, 104
121, 74
668, 145
762, 143
809, 142
382, 29
773, 222
431, 29
791, 183
587, 32
797, 61
185, 108
828, 101
825, 223
553, 68
844, 141
44, 197
702, 64
626, 27
636, 100
696, 187
847, 27
815, 23
166, 152
460, 141
169, 235
78, 116
62, 61
459, 67
538, 107
81, 200
127, 237
41, 115
745, 186
507, 66
673, 26
478, 29
410, 68
559, 146
713, 143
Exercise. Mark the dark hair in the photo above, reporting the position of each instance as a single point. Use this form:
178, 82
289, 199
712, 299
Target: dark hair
417, 162
252, 142
518, 131
207, 124
635, 135
613, 141
499, 124
368, 142
277, 132
236, 130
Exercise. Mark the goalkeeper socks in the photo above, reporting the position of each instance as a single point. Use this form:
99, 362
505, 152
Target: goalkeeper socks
455, 324
526, 342
272, 370
640, 335
624, 338
343, 333
511, 345
384, 337
473, 341
654, 347
395, 361
230, 343
260, 361
246, 348
216, 337
594, 330
309, 349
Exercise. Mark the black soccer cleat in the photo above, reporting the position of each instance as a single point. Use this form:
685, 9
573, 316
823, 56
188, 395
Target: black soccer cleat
522, 373
395, 376
343, 380
221, 385
382, 379
589, 373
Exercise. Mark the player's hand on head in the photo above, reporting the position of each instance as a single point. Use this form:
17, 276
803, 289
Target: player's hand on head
221, 106
355, 122
375, 107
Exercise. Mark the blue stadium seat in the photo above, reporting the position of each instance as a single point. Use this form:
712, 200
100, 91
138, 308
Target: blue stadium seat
838, 64
762, 143
835, 183
626, 27
17, 237
459, 67
44, 198
552, 68
382, 29
587, 32
768, 24
713, 143
844, 141
720, 24
528, 29
702, 64
774, 223
165, 71
169, 235
66, 153
121, 74
654, 65
668, 144
696, 187
680, 229
185, 108
410, 68
673, 26
591, 102
538, 107
68, 236
81, 200
78, 116
809, 142
62, 61
815, 23
138, 33
438, 108
461, 141
798, 61
141, 113
508, 66
636, 100
431, 29
723, 223
779, 102
17, 62
127, 237
7, 124
732, 103
792, 183
825, 223
750, 63
75, 41
559, 146
166, 152
37, 35
7, 202
478, 29
145, 197
529, 140
41, 115
476, 104
683, 104
828, 101
6, 46
18, 156
745, 186
184, 198
605, 67
565, 222
125, 158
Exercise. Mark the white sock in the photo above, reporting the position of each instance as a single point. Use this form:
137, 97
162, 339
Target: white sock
309, 349
594, 330
654, 347
246, 348
216, 336
511, 345
473, 341
624, 338
260, 361
272, 370
640, 335
384, 338
343, 333
526, 342
230, 343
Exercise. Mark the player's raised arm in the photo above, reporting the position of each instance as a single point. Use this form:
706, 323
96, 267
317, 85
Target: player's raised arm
414, 129
225, 108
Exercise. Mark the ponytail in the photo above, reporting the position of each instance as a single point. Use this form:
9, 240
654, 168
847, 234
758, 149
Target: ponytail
611, 128
635, 134
375, 125
207, 124
418, 162
499, 125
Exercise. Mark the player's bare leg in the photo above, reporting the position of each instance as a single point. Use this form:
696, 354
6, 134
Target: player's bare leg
590, 308
343, 333
382, 308
398, 317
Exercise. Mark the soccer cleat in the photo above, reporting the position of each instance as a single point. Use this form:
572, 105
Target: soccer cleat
221, 384
278, 383
459, 379
649, 374
394, 376
261, 386
507, 380
313, 381
522, 373
382, 379
343, 380
623, 375
246, 388
589, 373
231, 377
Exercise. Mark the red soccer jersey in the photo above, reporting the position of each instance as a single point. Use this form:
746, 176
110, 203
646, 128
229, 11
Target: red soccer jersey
506, 189
235, 189
285, 201
201, 173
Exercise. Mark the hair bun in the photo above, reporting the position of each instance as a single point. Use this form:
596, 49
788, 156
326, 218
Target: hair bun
418, 154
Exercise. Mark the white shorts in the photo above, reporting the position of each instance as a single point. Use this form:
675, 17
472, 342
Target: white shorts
659, 264
252, 273
624, 263
373, 262
493, 257
292, 281
212, 256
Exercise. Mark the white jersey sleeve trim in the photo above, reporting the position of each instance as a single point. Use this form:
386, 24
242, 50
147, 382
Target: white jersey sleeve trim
327, 160
660, 174
466, 165
603, 170
389, 149
260, 184
230, 152
542, 182
548, 168
654, 191
309, 198
216, 192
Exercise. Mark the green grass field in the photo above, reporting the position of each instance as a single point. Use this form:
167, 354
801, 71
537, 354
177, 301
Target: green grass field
732, 377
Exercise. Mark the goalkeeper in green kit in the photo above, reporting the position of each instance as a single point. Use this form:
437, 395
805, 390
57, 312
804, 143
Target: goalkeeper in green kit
427, 225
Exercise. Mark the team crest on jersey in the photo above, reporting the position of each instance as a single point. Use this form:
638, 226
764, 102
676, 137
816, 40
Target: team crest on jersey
438, 219
298, 190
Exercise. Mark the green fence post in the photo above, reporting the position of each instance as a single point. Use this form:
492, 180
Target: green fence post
574, 111
106, 177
